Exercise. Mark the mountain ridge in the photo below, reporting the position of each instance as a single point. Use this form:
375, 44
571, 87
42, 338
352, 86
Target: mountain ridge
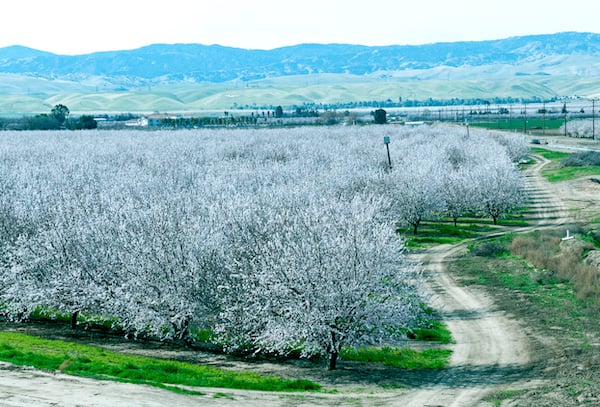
191, 77
160, 63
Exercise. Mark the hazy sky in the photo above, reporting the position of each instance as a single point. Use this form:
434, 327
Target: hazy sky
77, 27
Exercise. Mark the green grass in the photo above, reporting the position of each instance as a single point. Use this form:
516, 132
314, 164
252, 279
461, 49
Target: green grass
435, 331
558, 173
98, 363
432, 233
400, 357
518, 124
549, 154
415, 242
220, 395
442, 231
569, 173
432, 330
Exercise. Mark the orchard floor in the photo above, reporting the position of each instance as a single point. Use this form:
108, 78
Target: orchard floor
500, 348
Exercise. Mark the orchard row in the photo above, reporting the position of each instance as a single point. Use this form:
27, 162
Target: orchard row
271, 239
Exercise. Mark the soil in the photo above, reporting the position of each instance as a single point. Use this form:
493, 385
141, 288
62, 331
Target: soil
498, 346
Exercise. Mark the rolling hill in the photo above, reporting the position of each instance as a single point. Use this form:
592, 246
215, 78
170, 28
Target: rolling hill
190, 77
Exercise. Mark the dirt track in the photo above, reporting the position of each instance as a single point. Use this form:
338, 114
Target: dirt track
491, 351
490, 348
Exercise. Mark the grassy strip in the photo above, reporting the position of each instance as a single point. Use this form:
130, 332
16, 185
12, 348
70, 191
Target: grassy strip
533, 123
442, 231
432, 233
551, 155
403, 358
569, 173
431, 330
98, 363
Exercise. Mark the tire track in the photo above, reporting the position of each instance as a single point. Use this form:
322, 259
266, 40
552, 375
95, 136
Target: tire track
490, 349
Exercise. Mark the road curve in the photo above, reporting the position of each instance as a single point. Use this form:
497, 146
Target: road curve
491, 349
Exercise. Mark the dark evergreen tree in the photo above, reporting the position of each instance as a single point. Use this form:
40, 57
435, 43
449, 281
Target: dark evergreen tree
380, 116
279, 112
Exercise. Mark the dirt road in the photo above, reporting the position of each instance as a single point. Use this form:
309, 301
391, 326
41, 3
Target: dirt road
490, 348
490, 351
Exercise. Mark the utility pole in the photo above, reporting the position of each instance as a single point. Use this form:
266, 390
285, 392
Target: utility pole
544, 118
525, 118
565, 111
594, 118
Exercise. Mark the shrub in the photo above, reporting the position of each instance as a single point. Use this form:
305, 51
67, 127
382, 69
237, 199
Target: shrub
490, 249
582, 159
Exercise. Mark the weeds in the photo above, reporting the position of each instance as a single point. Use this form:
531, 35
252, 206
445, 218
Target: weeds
562, 259
490, 249
498, 397
400, 357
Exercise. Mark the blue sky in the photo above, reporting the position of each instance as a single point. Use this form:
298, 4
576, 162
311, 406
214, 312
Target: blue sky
77, 27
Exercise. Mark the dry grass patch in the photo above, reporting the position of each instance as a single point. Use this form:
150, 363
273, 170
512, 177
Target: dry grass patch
562, 259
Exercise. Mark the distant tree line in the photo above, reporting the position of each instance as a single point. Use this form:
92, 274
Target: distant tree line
58, 118
429, 102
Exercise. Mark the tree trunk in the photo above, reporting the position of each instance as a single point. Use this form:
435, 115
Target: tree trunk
333, 356
455, 220
74, 319
333, 353
415, 226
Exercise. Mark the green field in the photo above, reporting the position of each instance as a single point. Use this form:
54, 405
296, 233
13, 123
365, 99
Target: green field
536, 124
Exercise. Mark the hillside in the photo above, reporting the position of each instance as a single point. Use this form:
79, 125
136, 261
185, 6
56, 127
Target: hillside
193, 76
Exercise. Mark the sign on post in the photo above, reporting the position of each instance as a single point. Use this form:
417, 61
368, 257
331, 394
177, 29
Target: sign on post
386, 141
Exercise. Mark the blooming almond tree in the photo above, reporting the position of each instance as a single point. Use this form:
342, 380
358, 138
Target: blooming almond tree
499, 187
416, 185
459, 198
318, 277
